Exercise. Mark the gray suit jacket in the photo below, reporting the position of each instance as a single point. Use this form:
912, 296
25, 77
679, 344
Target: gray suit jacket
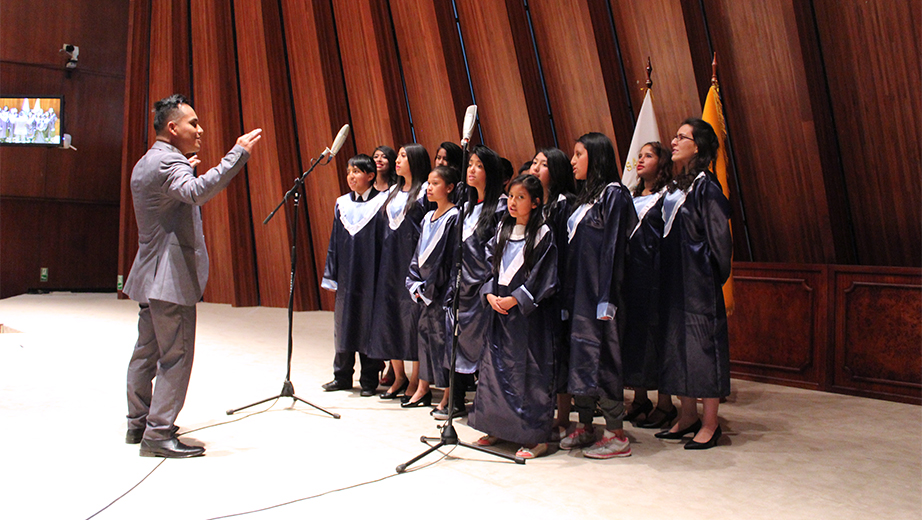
172, 263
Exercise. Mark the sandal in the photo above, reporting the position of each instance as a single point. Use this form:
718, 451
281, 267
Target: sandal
487, 440
533, 452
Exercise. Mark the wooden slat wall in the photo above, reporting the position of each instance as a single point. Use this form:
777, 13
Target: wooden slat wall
377, 104
871, 52
498, 85
433, 69
569, 55
226, 218
265, 100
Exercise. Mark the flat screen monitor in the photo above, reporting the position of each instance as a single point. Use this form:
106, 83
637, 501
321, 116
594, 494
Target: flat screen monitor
31, 121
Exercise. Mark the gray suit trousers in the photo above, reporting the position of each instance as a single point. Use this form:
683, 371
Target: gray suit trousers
165, 347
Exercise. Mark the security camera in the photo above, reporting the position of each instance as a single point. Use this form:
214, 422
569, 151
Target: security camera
72, 51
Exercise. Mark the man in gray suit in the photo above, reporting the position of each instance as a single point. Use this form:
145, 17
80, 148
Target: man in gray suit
169, 273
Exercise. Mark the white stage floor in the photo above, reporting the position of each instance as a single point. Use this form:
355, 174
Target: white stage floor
787, 453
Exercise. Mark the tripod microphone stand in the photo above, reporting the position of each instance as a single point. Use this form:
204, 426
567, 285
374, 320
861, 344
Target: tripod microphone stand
288, 389
449, 436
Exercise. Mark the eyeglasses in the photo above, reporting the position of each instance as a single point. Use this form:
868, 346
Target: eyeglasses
679, 137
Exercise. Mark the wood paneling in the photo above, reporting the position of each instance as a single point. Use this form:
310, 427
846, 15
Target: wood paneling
433, 69
878, 333
265, 100
377, 104
320, 106
569, 55
226, 217
73, 240
661, 37
872, 51
763, 85
170, 60
135, 128
498, 83
783, 343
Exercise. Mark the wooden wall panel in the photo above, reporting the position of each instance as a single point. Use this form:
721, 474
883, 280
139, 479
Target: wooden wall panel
135, 128
19, 250
872, 54
763, 84
320, 107
878, 332
170, 59
569, 54
786, 342
377, 104
656, 29
433, 69
226, 218
265, 100
496, 76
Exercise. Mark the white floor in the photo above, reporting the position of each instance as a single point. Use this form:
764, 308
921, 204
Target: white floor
787, 453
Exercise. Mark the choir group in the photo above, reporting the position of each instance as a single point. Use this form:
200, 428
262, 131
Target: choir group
571, 287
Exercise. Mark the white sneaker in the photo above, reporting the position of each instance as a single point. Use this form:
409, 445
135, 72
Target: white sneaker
609, 447
580, 437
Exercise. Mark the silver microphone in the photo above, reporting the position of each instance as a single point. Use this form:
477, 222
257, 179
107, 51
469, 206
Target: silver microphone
337, 144
470, 118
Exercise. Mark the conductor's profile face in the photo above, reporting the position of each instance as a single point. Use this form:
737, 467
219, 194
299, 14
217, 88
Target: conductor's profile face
185, 132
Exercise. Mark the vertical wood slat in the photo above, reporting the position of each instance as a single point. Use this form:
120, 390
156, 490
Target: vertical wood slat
135, 127
430, 52
763, 84
377, 104
572, 70
872, 51
265, 101
225, 218
498, 87
320, 107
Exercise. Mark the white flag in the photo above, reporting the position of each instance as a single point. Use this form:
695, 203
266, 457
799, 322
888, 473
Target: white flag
646, 131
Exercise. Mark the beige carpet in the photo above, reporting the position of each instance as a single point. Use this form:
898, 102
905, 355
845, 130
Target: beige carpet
787, 453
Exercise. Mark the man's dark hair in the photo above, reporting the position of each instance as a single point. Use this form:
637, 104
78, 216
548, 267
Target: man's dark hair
165, 110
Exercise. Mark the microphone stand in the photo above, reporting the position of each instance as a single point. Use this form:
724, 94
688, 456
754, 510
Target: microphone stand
288, 389
449, 436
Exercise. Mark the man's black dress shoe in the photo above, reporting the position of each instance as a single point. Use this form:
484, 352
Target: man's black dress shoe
706, 445
335, 385
170, 449
134, 435
368, 392
426, 400
679, 434
658, 418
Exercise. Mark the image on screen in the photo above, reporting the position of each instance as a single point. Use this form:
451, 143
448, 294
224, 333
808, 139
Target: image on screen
25, 120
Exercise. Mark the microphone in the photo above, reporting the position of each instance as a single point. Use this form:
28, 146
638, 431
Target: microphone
470, 118
331, 152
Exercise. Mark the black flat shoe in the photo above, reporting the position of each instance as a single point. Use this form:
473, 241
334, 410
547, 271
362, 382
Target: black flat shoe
425, 401
636, 411
666, 434
706, 445
396, 393
658, 418
336, 385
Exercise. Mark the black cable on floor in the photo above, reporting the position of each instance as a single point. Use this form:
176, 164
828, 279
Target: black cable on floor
123, 495
353, 486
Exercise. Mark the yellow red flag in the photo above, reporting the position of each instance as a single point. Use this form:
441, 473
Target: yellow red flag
713, 114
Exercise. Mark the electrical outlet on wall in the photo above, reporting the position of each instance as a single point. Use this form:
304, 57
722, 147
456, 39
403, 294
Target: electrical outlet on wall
43, 274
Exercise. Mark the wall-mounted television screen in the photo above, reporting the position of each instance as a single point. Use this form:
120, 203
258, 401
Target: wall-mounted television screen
31, 121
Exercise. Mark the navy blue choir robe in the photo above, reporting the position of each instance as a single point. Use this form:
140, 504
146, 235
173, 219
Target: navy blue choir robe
642, 333
429, 276
515, 393
351, 268
695, 256
396, 314
475, 270
596, 257
556, 215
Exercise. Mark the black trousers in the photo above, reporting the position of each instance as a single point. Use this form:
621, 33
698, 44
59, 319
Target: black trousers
344, 368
